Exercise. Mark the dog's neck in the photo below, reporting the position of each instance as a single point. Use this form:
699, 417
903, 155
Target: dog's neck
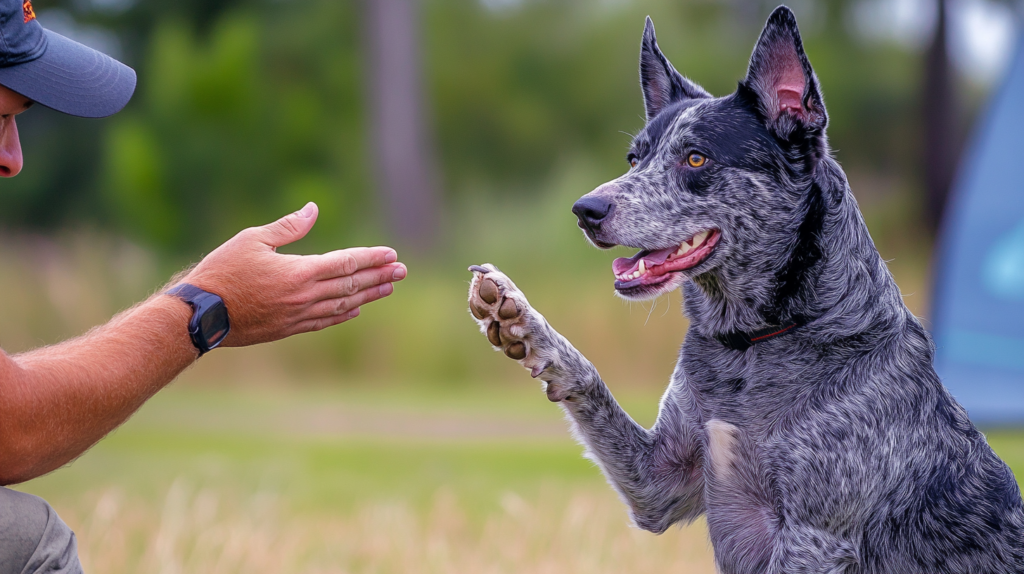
829, 277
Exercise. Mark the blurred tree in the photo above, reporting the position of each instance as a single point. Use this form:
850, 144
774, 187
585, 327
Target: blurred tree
247, 108
235, 128
940, 141
402, 154
135, 21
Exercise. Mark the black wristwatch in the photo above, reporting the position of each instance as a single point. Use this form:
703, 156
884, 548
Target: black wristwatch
209, 324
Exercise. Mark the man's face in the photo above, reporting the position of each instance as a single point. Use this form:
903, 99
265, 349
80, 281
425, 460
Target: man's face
11, 104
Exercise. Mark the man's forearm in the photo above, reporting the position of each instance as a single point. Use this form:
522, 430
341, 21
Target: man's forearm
58, 401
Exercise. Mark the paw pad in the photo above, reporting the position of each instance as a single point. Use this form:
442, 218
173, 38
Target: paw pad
478, 311
489, 291
507, 320
508, 309
516, 351
493, 333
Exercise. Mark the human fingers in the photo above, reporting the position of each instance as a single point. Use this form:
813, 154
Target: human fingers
322, 322
342, 305
289, 228
348, 261
349, 285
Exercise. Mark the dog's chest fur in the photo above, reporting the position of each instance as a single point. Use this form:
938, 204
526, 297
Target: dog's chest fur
750, 389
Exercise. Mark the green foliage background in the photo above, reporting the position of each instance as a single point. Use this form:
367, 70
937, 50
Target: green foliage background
246, 109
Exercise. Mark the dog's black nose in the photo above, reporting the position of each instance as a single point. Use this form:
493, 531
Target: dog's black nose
591, 211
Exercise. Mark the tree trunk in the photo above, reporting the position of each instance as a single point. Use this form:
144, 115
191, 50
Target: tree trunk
940, 121
403, 163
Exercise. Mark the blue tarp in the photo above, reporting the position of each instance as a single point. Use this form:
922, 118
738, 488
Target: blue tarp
978, 309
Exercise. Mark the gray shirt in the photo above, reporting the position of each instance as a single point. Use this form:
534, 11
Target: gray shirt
33, 538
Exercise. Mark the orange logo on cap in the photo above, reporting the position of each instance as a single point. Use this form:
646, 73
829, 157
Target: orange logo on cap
30, 14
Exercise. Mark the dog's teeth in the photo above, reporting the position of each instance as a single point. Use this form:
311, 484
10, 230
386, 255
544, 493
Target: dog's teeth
643, 267
699, 238
636, 274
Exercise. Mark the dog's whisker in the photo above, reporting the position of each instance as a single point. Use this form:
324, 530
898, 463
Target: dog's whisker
654, 305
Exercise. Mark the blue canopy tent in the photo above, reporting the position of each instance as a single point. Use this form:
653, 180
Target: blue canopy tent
978, 309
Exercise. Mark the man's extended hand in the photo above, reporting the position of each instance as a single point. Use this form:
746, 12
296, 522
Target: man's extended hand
271, 295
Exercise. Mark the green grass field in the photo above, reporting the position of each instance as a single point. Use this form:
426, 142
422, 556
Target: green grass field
358, 480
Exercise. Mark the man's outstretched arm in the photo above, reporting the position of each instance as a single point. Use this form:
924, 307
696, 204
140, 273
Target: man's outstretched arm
57, 401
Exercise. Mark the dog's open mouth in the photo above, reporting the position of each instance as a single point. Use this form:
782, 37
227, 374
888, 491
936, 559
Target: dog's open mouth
654, 267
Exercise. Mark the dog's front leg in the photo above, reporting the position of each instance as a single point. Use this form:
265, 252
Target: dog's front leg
657, 471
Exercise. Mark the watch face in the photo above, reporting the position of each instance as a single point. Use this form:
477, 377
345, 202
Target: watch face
214, 324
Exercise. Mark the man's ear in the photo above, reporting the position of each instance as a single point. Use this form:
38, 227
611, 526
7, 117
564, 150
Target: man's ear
661, 83
782, 80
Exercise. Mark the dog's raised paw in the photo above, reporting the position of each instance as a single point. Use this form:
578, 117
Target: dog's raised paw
505, 317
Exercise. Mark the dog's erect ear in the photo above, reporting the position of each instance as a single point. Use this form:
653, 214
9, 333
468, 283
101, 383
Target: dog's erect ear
781, 77
661, 83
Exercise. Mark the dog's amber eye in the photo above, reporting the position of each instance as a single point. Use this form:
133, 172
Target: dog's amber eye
633, 161
695, 160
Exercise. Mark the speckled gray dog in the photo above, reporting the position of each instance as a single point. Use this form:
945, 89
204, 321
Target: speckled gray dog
804, 417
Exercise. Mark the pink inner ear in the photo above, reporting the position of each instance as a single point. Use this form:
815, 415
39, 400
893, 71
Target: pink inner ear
789, 86
789, 100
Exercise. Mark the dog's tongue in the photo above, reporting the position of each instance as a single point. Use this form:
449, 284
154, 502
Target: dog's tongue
651, 258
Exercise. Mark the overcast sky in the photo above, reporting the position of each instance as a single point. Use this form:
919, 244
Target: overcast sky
982, 34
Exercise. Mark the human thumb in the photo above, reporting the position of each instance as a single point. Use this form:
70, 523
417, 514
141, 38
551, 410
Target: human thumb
291, 227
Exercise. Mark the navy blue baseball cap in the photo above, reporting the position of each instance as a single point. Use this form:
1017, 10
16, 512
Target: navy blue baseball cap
56, 72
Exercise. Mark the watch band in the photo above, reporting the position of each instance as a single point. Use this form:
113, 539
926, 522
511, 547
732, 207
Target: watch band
209, 324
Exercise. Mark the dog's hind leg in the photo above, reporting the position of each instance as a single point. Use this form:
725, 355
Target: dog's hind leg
657, 471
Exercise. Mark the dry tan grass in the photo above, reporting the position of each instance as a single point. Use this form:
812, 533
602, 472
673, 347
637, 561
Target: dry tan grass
211, 532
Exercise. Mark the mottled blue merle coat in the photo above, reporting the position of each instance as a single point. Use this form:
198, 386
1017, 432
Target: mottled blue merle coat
829, 447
